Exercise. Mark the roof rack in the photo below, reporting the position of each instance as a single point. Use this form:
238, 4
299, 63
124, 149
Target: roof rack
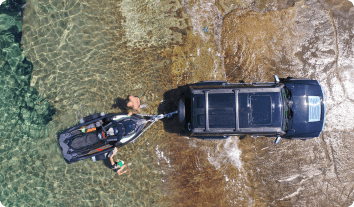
206, 93
237, 127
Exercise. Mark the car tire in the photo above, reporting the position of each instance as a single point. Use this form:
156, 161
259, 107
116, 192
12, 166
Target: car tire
181, 111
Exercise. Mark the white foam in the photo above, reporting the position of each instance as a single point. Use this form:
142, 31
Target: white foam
160, 157
293, 194
353, 203
289, 178
1, 204
1, 1
229, 154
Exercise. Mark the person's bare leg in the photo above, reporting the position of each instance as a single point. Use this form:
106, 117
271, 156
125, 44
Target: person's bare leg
120, 170
127, 170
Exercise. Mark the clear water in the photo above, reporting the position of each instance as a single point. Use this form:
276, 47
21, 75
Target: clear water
79, 57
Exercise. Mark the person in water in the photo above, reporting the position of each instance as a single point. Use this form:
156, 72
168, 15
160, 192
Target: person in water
119, 165
134, 103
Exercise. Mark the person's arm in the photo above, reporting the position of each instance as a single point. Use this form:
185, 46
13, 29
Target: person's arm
111, 159
114, 152
135, 111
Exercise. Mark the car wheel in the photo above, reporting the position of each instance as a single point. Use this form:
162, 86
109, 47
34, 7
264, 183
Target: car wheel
181, 110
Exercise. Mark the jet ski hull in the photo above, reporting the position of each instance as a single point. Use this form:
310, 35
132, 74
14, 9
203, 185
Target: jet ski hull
97, 135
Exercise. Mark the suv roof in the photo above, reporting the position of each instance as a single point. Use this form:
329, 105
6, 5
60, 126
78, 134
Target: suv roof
214, 109
289, 108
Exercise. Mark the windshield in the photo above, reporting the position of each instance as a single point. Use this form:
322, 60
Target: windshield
287, 102
286, 109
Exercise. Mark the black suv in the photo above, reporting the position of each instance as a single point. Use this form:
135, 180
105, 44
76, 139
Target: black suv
287, 108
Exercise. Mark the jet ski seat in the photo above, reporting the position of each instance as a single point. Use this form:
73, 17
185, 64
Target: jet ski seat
87, 139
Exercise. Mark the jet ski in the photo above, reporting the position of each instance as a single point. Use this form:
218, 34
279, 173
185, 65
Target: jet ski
97, 135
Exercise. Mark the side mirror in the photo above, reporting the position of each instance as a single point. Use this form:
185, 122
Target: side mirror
277, 139
276, 79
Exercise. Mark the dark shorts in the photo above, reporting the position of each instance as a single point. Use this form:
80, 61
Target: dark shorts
113, 167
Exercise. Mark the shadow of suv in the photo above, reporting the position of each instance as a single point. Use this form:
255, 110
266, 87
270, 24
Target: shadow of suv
287, 108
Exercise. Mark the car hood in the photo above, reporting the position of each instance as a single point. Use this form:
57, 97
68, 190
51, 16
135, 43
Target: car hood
308, 109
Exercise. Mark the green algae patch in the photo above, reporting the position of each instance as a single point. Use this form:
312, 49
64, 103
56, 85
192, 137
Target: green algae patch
20, 103
7, 21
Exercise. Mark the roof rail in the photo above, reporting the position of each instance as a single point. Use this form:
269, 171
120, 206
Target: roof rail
206, 93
